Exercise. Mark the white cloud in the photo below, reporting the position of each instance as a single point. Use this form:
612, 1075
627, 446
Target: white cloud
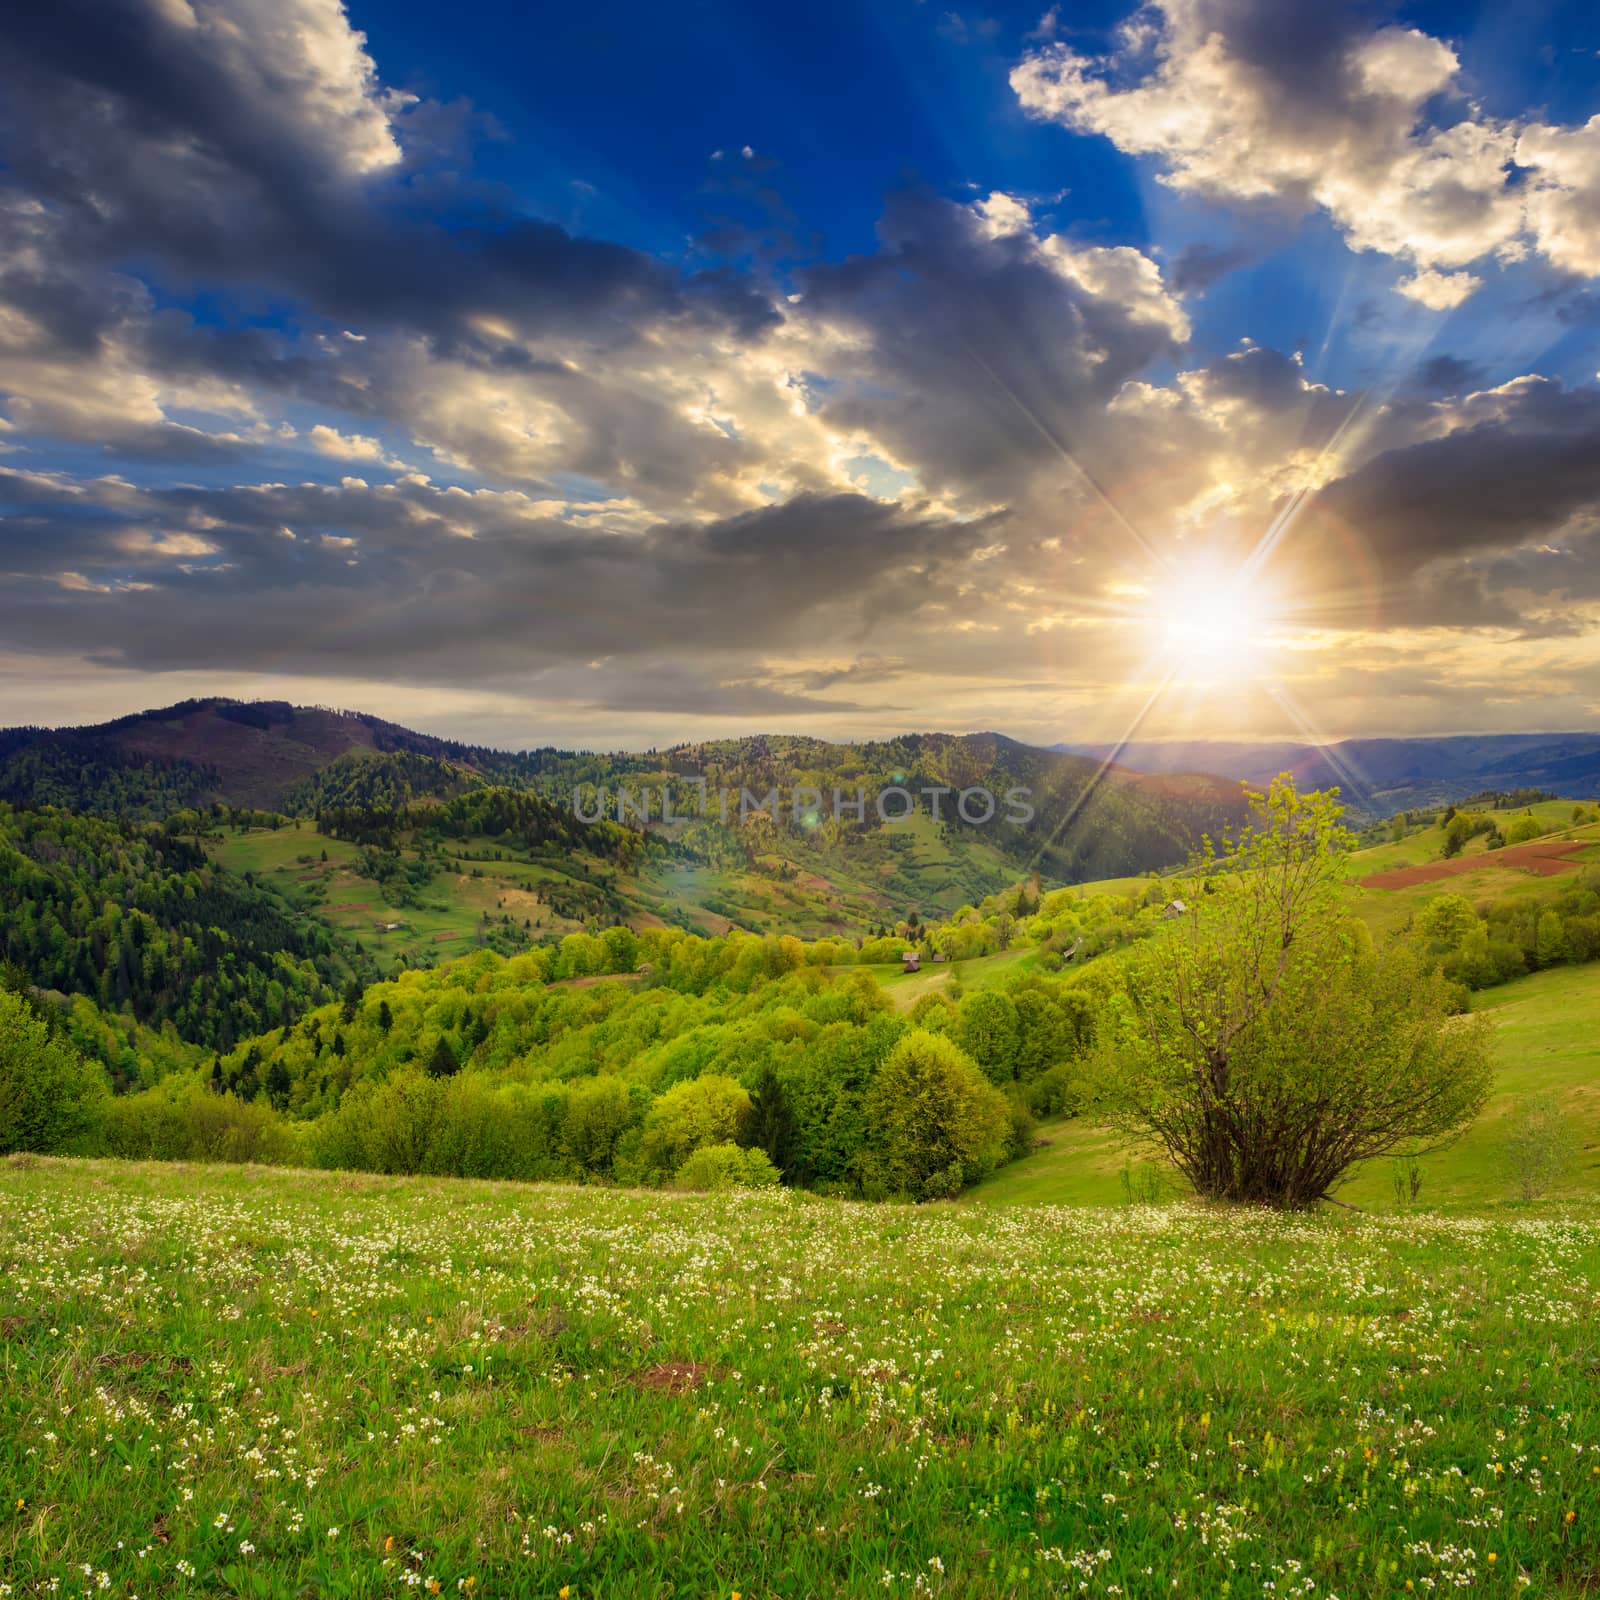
1438, 291
1370, 127
1564, 193
344, 446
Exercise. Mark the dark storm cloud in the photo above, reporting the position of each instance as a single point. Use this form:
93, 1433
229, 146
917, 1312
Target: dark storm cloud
446, 586
1463, 526
158, 139
978, 355
1493, 486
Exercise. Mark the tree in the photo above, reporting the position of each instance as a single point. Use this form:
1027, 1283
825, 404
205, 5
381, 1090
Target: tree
50, 1097
442, 1063
1448, 919
1461, 827
1541, 1146
278, 1084
699, 1111
598, 1112
770, 1125
1550, 940
937, 1123
1266, 1046
989, 1033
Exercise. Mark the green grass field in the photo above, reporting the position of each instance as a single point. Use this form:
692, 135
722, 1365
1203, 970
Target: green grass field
248, 1382
843, 894
980, 972
446, 922
1548, 1041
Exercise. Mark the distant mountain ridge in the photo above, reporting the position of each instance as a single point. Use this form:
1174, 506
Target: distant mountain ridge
243, 753
1091, 821
1381, 776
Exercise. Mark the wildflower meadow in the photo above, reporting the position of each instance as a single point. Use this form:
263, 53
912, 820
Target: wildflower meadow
248, 1382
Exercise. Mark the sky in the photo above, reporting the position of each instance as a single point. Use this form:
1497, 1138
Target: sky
610, 377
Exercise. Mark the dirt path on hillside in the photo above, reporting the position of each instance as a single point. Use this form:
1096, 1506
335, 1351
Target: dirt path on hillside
1546, 857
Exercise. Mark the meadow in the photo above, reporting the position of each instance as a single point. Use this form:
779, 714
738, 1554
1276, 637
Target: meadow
821, 892
252, 1382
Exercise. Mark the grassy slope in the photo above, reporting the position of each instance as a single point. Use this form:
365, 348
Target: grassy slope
841, 891
982, 972
1548, 1028
265, 1383
452, 905
1427, 844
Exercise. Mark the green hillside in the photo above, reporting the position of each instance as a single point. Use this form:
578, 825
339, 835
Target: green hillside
1547, 1042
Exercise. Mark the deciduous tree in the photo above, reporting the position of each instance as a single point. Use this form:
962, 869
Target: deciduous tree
1264, 1043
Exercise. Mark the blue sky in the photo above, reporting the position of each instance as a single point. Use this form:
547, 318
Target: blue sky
608, 124
615, 376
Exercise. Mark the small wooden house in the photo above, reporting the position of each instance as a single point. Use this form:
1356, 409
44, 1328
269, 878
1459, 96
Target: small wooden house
1174, 908
911, 960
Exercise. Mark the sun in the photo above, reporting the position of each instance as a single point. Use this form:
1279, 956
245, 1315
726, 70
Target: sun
1211, 627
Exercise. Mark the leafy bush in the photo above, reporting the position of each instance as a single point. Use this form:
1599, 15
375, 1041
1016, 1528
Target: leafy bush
188, 1123
727, 1166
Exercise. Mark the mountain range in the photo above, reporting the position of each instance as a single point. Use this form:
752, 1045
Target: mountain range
1378, 777
1090, 820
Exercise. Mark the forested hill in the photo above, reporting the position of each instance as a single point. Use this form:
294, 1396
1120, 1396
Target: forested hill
1088, 821
308, 761
195, 753
140, 922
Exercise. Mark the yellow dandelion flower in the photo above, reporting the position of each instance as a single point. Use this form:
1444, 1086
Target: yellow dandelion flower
1572, 1516
564, 1591
388, 1544
1493, 1558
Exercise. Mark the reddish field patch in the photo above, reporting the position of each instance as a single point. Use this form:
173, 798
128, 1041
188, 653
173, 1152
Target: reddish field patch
1546, 857
354, 905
